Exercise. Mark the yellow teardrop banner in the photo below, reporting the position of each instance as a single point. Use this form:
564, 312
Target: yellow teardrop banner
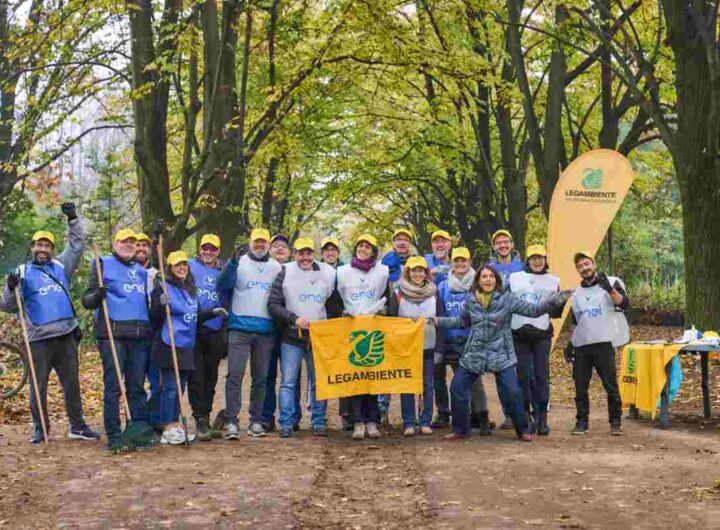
587, 197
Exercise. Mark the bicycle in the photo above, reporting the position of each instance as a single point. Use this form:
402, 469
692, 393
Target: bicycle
13, 370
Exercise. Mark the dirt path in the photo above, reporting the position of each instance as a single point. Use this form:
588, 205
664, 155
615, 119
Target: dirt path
647, 479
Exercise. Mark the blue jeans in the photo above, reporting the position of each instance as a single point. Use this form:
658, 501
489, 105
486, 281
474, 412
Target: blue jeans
509, 391
164, 404
407, 401
270, 404
291, 358
132, 358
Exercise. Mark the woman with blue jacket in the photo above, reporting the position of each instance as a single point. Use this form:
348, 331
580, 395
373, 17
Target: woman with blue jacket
489, 347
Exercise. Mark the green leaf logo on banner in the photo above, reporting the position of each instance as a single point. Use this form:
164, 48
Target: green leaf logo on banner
368, 348
631, 367
592, 179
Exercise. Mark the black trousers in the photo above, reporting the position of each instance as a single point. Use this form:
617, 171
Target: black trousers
533, 355
210, 348
59, 354
601, 357
364, 409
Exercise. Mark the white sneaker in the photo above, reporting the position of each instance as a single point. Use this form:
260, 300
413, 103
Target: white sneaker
232, 432
359, 431
173, 436
372, 430
409, 431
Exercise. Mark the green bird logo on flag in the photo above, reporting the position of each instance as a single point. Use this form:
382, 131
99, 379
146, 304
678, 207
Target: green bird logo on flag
368, 348
592, 179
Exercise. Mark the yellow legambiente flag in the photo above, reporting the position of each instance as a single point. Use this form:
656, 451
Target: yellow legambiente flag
367, 355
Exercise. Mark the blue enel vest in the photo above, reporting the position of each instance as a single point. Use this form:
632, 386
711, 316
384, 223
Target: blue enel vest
444, 268
208, 295
126, 291
506, 269
45, 300
184, 314
453, 304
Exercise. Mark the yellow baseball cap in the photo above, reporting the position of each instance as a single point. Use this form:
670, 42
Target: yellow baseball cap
177, 257
330, 241
140, 236
460, 252
416, 261
536, 250
125, 233
368, 239
583, 254
401, 231
260, 233
303, 243
440, 233
210, 239
501, 232
43, 234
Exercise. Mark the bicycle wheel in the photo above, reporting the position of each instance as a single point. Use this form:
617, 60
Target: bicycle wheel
13, 370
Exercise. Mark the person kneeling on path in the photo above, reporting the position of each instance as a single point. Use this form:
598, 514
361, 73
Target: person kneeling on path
251, 331
454, 293
52, 325
185, 313
363, 286
598, 306
416, 296
125, 293
211, 342
490, 349
301, 294
533, 337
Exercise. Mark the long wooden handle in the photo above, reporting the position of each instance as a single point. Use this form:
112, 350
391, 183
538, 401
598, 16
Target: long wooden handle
21, 315
171, 332
106, 315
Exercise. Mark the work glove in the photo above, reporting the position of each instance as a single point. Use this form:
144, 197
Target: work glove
604, 282
563, 296
569, 353
101, 293
12, 281
240, 251
438, 357
164, 299
68, 208
219, 311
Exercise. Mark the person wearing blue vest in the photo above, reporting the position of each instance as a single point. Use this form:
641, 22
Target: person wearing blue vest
454, 293
125, 292
395, 260
186, 314
506, 260
211, 342
251, 330
301, 293
52, 325
439, 259
533, 337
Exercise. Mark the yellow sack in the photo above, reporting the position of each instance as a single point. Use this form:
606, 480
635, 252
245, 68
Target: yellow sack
367, 355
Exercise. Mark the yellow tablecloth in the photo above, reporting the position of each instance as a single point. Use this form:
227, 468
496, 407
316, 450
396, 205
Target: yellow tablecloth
642, 374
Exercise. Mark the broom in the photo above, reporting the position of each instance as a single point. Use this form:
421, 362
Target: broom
136, 434
31, 362
168, 317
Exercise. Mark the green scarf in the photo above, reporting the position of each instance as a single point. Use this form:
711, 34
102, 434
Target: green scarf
483, 298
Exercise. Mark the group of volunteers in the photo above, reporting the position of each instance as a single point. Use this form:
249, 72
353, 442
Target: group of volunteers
257, 308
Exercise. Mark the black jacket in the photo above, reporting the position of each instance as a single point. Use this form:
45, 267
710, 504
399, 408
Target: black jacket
133, 329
